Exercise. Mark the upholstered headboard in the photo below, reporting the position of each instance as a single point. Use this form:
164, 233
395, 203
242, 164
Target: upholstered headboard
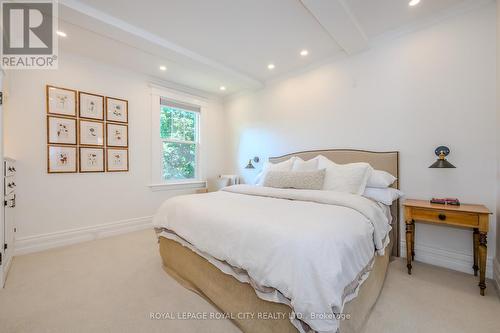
387, 161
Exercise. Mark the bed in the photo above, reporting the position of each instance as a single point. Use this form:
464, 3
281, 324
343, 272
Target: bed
270, 296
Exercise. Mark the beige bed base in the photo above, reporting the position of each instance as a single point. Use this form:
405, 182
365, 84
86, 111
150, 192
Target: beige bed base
232, 297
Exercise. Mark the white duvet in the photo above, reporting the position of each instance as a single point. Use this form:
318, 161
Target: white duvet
313, 247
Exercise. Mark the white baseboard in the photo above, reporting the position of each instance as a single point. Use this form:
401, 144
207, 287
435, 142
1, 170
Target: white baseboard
496, 274
457, 261
67, 237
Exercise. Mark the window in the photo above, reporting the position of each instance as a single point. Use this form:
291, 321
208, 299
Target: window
179, 136
177, 150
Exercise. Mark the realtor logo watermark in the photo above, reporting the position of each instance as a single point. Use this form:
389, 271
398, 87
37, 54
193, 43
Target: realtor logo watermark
29, 39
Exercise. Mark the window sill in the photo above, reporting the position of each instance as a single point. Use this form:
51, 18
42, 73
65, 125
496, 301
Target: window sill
192, 184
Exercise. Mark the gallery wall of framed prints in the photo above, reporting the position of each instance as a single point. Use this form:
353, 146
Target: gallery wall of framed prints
86, 132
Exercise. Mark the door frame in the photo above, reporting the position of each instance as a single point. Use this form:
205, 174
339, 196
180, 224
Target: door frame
3, 267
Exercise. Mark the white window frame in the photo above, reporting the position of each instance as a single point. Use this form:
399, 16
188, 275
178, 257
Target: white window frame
157, 181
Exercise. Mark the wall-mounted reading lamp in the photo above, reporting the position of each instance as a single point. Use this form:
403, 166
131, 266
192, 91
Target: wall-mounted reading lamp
256, 159
441, 152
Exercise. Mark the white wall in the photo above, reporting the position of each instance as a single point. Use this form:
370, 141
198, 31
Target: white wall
432, 87
49, 203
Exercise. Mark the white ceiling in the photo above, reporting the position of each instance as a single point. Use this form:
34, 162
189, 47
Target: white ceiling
142, 60
243, 34
377, 17
209, 43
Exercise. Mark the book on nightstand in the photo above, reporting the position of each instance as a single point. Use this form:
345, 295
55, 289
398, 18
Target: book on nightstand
446, 201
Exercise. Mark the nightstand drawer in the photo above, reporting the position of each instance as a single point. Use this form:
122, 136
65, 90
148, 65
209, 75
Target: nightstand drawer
445, 216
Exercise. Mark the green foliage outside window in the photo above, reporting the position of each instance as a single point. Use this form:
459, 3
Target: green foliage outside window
178, 131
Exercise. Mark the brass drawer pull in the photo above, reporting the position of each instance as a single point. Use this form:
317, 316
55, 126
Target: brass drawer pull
442, 217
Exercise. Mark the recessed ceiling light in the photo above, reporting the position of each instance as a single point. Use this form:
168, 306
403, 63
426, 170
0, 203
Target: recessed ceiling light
270, 66
222, 88
61, 33
304, 53
413, 3
163, 68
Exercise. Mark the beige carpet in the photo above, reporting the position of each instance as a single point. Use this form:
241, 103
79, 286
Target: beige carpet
113, 284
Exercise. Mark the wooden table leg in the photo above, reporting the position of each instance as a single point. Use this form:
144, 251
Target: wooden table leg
409, 246
482, 261
475, 267
413, 240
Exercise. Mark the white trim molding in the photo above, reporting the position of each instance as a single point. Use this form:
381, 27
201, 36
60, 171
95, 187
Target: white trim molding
178, 95
457, 261
42, 242
196, 184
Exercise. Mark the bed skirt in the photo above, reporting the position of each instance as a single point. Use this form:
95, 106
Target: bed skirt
233, 297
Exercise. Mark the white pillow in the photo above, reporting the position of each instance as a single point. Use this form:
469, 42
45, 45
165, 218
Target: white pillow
268, 166
380, 179
301, 165
384, 195
349, 178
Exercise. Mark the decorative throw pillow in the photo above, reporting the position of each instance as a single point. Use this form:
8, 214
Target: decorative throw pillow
268, 166
351, 178
301, 165
303, 180
380, 179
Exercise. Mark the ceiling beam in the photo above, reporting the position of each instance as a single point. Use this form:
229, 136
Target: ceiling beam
104, 24
336, 18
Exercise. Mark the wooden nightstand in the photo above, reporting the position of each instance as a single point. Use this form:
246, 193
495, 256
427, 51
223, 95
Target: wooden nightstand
475, 217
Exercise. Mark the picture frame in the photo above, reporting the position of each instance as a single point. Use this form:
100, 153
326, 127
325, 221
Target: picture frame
62, 159
116, 110
91, 159
116, 135
90, 106
61, 130
117, 160
91, 133
61, 101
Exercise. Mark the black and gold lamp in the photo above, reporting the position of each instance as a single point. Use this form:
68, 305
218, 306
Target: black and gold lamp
441, 152
256, 159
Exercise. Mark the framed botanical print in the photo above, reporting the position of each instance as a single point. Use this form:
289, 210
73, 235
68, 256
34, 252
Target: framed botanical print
116, 110
61, 130
91, 133
117, 135
91, 159
61, 159
61, 101
116, 160
91, 106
